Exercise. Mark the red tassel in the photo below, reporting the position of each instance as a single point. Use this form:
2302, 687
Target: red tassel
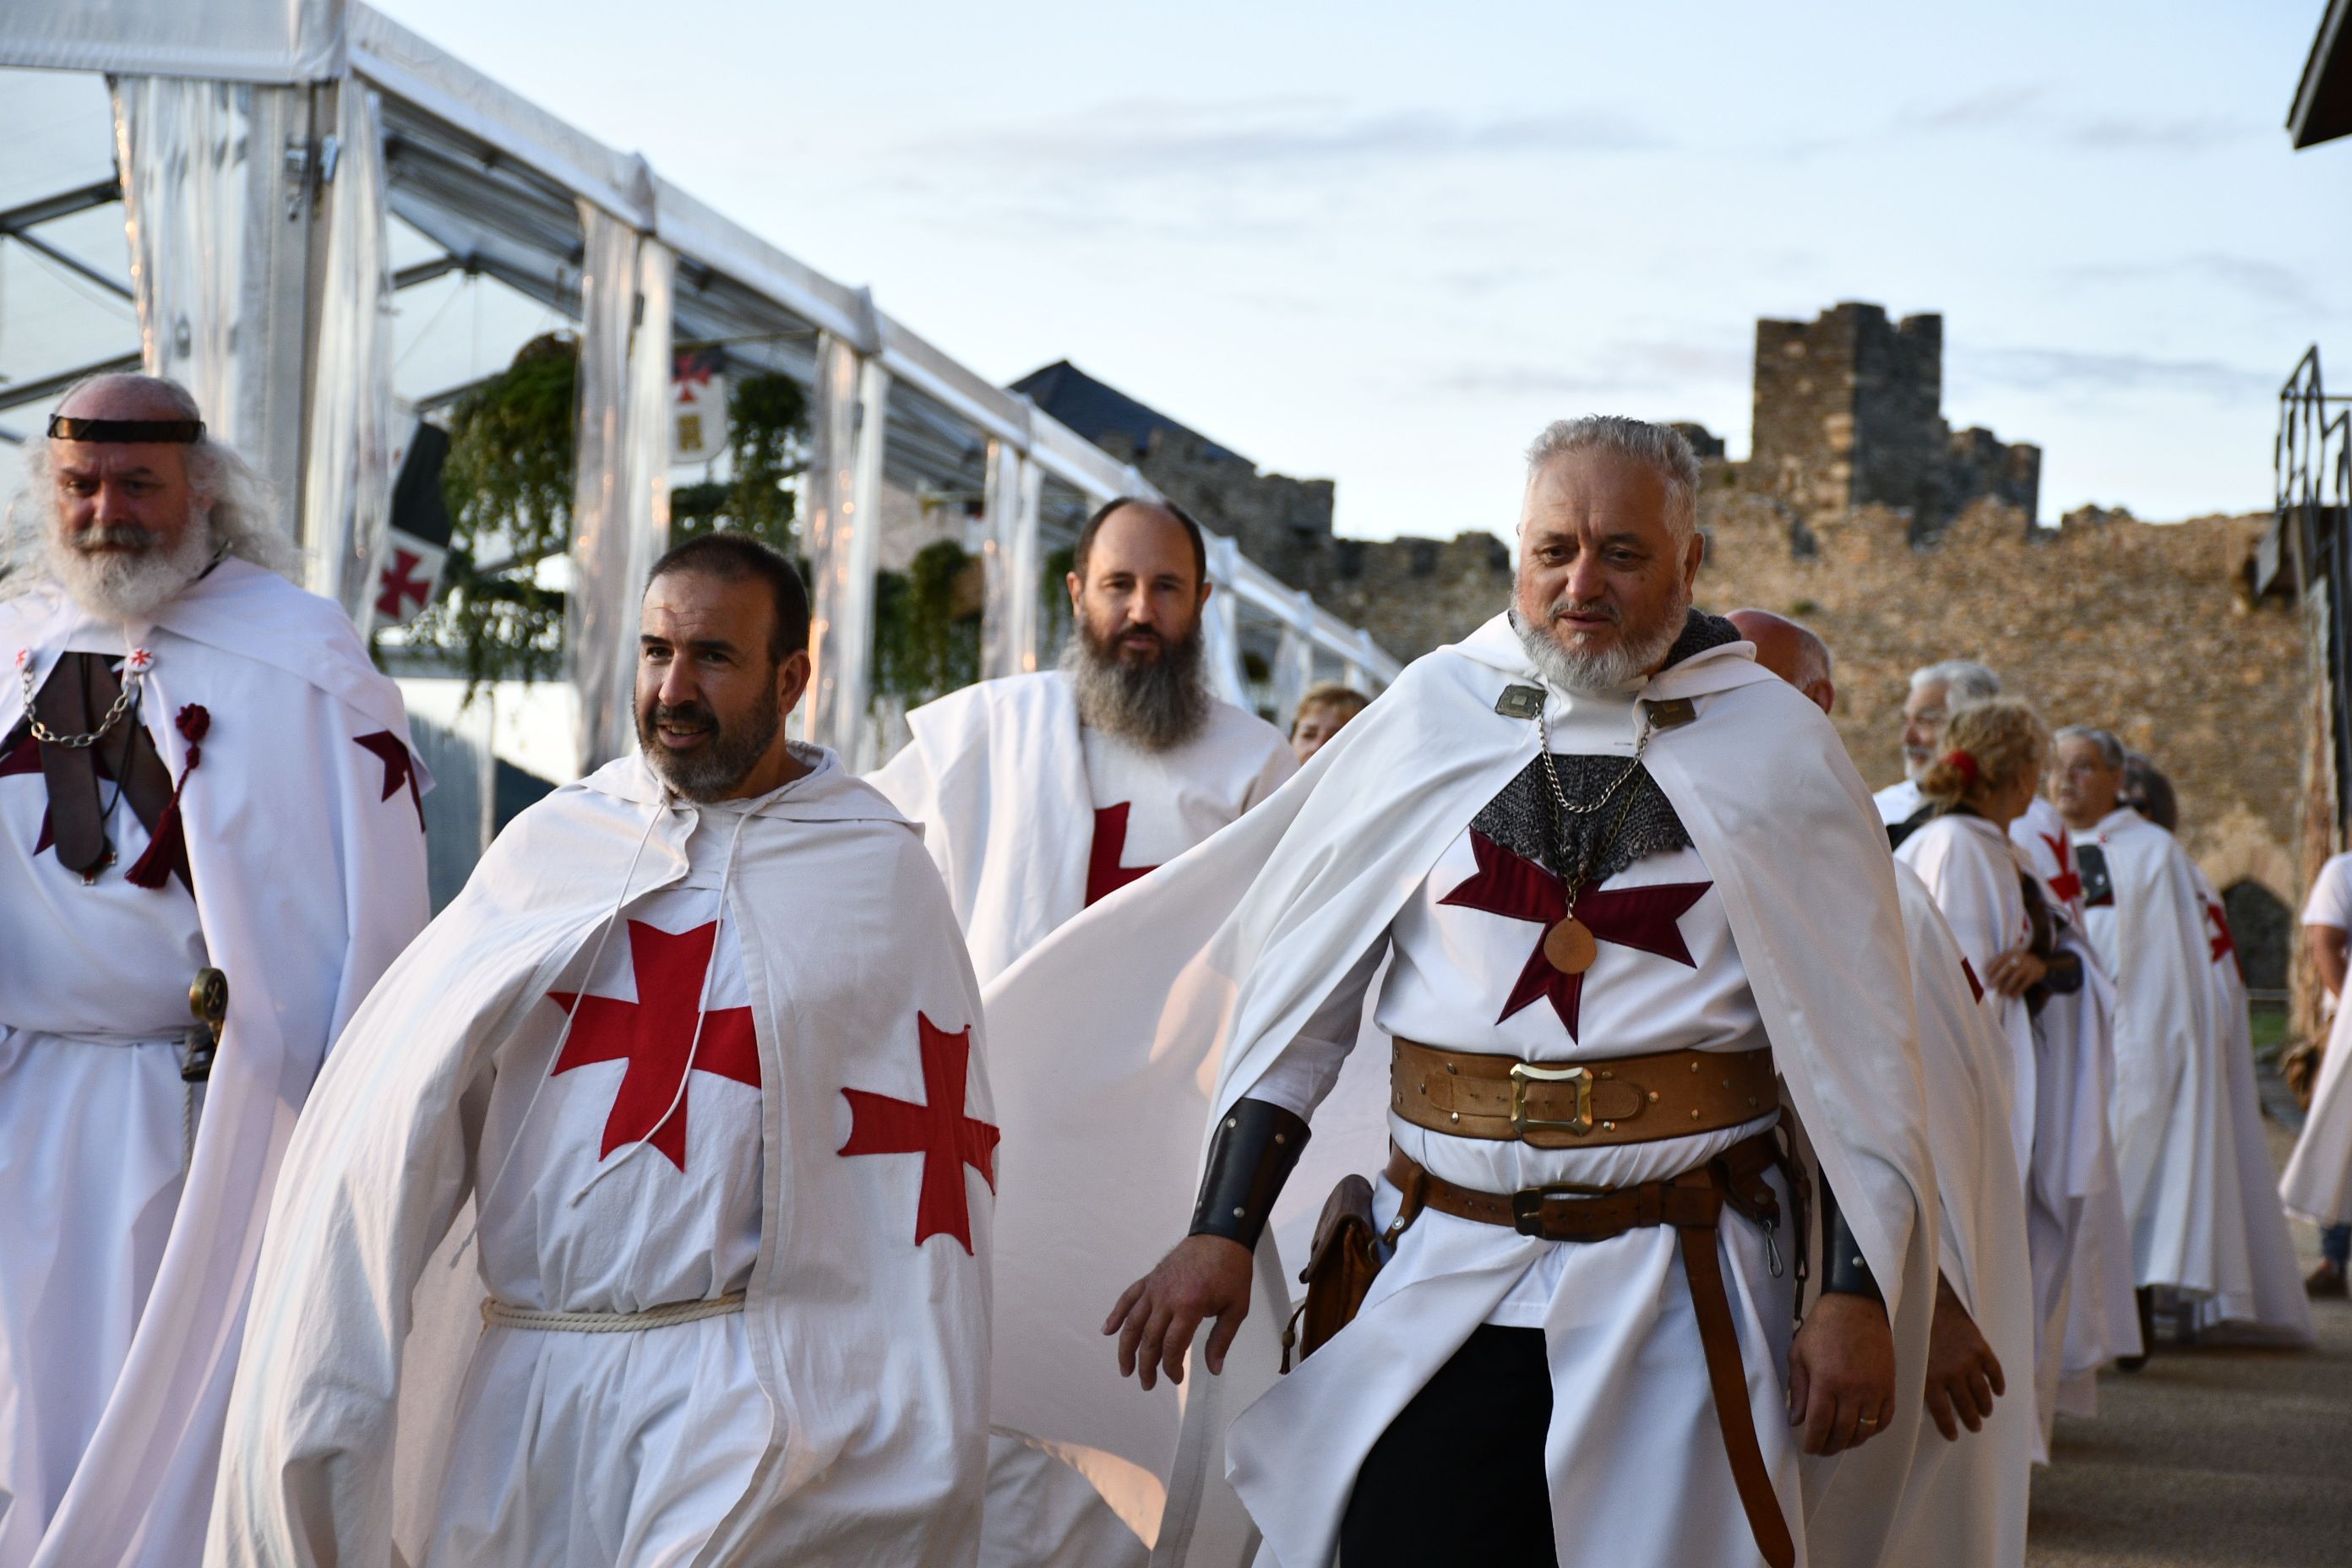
154, 869
169, 844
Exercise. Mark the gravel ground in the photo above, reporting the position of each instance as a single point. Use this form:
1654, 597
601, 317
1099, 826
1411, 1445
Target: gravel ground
2213, 1456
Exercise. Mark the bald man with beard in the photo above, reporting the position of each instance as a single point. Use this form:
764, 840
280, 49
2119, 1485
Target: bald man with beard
1964, 1499
203, 784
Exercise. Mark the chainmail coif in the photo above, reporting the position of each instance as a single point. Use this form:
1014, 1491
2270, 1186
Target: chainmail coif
1524, 820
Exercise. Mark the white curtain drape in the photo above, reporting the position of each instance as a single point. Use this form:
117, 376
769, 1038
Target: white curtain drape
620, 508
219, 224
347, 473
841, 531
1013, 562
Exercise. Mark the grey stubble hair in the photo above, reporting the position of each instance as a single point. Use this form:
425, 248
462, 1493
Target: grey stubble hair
1963, 680
1654, 446
2111, 751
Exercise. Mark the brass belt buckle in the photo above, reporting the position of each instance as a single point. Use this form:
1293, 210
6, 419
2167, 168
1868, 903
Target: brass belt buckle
1526, 1073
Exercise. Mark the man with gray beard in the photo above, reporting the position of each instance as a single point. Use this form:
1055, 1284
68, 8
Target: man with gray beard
1041, 794
1638, 922
208, 802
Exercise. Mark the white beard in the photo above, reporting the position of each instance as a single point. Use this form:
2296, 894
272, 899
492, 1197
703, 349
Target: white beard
111, 586
1614, 668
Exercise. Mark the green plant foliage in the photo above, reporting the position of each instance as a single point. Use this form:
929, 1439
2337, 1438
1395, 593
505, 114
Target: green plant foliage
922, 648
508, 484
1053, 591
767, 445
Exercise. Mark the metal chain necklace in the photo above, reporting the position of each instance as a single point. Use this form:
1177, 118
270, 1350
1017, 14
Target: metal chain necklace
50, 737
1569, 945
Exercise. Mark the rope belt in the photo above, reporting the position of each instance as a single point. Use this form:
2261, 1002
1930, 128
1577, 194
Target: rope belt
1693, 1203
500, 1315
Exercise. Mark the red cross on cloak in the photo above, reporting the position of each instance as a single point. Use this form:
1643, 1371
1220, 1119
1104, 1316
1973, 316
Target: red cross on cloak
654, 1034
1105, 875
2067, 885
398, 768
1976, 987
401, 584
937, 1129
2224, 944
1639, 917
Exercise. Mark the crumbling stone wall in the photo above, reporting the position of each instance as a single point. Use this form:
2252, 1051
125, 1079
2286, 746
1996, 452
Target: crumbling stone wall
1283, 524
2142, 628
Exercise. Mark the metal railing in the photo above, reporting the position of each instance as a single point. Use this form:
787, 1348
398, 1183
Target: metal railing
2308, 544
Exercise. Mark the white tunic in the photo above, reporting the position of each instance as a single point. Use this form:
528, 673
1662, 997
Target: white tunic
644, 1437
94, 1128
1166, 802
2275, 1299
2176, 1120
130, 1204
1968, 865
1618, 1328
2317, 1185
1896, 802
1031, 817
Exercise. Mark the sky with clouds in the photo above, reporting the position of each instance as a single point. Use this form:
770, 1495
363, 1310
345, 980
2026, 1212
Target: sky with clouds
1386, 242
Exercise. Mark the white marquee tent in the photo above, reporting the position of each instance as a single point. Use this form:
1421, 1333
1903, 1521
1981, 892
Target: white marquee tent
263, 198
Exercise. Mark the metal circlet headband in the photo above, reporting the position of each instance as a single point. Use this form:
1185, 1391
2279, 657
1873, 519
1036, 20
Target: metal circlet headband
50, 737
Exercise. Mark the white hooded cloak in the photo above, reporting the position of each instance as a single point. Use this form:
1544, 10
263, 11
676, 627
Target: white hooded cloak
867, 1323
306, 849
1108, 1094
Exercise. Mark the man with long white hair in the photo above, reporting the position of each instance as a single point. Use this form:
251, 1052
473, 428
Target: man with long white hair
211, 844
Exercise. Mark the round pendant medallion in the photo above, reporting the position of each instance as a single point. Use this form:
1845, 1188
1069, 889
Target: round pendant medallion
1568, 946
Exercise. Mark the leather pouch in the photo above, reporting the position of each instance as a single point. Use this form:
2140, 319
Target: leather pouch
1340, 1264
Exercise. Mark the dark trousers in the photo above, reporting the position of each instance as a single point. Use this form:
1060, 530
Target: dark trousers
1459, 1475
2336, 1244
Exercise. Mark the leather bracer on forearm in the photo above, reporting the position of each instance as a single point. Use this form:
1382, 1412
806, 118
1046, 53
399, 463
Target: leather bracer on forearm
1257, 1146
1845, 1270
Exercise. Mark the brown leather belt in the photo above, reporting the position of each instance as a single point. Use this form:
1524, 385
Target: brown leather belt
1693, 1203
1624, 1100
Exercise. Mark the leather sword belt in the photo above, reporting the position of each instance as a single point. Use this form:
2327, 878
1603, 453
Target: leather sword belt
1693, 1203
1624, 1100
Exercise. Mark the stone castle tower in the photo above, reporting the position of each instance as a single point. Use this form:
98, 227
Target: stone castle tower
1849, 412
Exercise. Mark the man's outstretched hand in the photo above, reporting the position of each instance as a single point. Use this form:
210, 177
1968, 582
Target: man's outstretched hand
1963, 1375
1202, 1276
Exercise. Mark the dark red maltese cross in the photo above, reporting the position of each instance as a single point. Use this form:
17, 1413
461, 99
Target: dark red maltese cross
1641, 918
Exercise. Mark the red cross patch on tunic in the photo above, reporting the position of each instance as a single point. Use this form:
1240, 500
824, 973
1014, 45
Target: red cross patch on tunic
936, 1129
399, 768
656, 1036
2224, 944
1641, 918
2067, 885
1105, 875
